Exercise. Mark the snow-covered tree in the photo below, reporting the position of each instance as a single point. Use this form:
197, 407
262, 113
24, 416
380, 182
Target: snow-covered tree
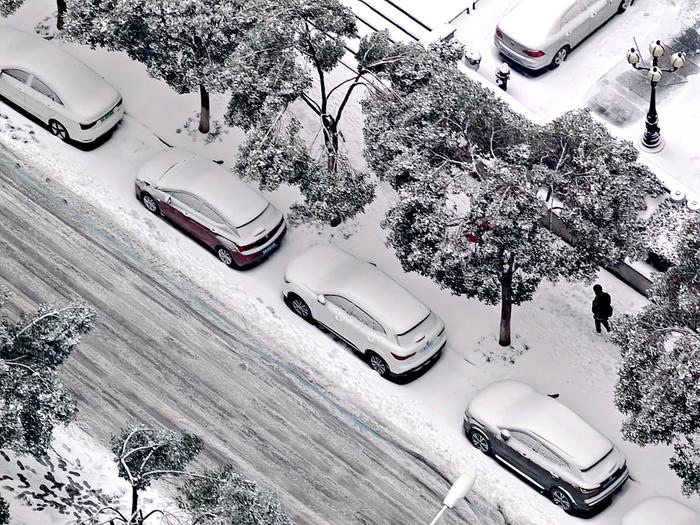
289, 56
184, 42
658, 388
145, 454
225, 498
7, 7
4, 512
32, 398
480, 188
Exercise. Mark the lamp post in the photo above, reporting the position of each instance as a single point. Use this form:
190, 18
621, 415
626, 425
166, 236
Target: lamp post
458, 491
651, 140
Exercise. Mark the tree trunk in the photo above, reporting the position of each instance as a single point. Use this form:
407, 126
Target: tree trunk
506, 308
134, 505
204, 111
61, 7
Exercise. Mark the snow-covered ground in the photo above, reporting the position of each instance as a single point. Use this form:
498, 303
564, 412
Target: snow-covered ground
71, 483
555, 347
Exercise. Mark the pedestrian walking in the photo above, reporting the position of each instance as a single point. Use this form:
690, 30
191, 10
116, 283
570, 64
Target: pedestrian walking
602, 309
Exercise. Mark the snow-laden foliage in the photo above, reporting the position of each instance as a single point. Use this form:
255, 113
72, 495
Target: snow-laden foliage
659, 380
480, 188
184, 42
4, 512
665, 227
32, 398
7, 7
287, 56
225, 498
144, 454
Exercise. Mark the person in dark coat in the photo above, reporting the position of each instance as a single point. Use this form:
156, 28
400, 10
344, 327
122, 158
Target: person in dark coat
602, 309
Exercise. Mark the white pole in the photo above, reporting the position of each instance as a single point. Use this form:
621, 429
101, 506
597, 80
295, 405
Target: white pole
439, 515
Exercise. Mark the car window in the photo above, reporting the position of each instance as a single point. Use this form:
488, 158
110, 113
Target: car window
210, 214
186, 199
355, 312
38, 85
526, 440
551, 456
17, 74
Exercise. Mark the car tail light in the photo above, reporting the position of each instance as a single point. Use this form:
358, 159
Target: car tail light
533, 54
499, 33
402, 357
589, 492
87, 126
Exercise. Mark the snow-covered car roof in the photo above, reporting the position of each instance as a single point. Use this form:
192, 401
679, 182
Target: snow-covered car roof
529, 21
660, 510
332, 271
178, 169
80, 88
516, 406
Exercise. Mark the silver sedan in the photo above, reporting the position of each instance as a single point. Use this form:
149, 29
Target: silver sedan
541, 33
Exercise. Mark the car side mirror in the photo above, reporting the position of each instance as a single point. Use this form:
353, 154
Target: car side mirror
168, 200
505, 434
321, 299
553, 396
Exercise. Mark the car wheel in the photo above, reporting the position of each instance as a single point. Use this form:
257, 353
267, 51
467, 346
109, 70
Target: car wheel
299, 307
379, 365
480, 441
562, 500
150, 203
58, 130
559, 57
225, 257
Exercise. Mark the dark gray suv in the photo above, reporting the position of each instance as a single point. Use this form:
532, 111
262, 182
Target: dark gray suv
545, 443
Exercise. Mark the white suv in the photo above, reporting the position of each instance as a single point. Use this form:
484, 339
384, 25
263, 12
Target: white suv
397, 333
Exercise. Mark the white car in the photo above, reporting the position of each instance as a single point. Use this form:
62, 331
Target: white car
545, 443
541, 33
395, 332
212, 205
660, 511
56, 88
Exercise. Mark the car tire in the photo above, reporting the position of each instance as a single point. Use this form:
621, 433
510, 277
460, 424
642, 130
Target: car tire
378, 365
562, 500
298, 306
480, 441
559, 57
58, 130
624, 4
150, 203
225, 257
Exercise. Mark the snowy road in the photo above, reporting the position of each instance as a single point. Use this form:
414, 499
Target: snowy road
166, 352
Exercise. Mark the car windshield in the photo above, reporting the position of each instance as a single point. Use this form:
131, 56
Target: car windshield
419, 331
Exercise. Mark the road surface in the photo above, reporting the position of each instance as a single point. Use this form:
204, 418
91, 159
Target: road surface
165, 352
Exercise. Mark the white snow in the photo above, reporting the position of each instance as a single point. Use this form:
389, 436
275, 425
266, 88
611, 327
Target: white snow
661, 510
555, 348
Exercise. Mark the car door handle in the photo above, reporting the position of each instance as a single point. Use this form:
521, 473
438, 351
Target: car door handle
555, 476
523, 454
186, 214
338, 318
370, 339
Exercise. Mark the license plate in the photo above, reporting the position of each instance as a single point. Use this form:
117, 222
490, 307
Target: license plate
269, 248
426, 347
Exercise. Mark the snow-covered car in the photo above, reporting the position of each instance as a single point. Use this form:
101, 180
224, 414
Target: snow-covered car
541, 33
56, 88
660, 510
545, 443
393, 330
211, 204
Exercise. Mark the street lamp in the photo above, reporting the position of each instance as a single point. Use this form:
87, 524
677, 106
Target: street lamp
457, 492
651, 140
